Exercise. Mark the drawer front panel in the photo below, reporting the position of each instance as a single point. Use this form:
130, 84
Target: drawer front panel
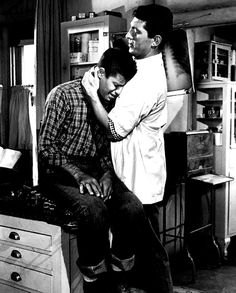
27, 238
188, 153
199, 145
9, 289
200, 165
25, 257
20, 276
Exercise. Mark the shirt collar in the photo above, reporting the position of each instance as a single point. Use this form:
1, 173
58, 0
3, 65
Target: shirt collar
149, 61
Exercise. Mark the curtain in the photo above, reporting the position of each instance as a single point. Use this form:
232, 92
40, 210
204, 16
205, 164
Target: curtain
1, 118
19, 126
49, 15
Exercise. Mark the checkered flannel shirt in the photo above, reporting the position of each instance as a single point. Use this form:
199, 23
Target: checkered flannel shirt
69, 129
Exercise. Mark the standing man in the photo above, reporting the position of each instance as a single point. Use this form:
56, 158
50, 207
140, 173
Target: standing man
76, 171
135, 125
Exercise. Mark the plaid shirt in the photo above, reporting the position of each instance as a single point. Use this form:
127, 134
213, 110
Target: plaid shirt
69, 130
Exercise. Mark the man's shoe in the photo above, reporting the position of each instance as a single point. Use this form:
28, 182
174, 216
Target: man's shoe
119, 282
122, 282
101, 285
125, 288
121, 288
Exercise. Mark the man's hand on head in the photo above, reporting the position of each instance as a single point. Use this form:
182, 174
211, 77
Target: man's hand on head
90, 83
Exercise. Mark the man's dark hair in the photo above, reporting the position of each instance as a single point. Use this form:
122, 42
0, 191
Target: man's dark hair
158, 18
115, 60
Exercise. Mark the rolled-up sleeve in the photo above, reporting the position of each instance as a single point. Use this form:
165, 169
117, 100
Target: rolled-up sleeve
135, 103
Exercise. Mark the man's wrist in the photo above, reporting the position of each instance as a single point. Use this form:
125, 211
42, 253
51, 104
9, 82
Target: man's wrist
109, 173
72, 169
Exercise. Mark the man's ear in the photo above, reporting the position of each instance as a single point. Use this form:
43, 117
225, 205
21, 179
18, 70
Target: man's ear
156, 41
101, 72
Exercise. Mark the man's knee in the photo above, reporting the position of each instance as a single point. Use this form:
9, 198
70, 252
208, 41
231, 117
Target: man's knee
92, 211
97, 209
132, 208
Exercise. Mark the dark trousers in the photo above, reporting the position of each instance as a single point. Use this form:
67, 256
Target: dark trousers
156, 261
134, 230
123, 214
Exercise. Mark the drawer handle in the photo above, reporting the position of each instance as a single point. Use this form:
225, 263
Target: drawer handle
16, 254
14, 236
16, 277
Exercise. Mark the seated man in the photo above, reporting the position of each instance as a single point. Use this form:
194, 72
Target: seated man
76, 170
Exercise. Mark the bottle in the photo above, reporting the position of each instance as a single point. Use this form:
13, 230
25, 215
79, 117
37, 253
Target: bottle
233, 66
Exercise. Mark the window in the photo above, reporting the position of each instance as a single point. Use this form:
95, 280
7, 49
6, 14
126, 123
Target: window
22, 59
28, 64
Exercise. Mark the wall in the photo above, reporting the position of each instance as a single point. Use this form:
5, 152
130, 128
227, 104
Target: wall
124, 6
190, 5
97, 6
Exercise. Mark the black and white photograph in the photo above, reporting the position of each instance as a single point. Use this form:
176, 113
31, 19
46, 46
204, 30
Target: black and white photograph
117, 146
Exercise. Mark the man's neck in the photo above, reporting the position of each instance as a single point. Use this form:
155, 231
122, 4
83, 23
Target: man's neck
150, 54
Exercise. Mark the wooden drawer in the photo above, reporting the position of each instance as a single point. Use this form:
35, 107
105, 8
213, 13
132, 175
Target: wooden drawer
6, 288
19, 276
26, 238
48, 263
23, 257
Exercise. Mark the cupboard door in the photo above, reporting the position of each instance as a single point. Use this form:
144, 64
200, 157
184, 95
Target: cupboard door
84, 41
212, 61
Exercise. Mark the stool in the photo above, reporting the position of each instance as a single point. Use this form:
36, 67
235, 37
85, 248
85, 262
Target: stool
206, 184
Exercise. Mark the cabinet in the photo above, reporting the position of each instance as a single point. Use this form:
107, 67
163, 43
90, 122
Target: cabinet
37, 257
195, 154
190, 154
216, 111
212, 61
83, 42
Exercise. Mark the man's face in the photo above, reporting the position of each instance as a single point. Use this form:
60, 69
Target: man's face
111, 87
138, 41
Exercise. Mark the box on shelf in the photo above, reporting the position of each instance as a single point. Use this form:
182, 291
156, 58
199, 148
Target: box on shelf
93, 54
78, 57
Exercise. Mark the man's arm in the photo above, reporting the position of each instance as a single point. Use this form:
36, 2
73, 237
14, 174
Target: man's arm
105, 162
51, 157
50, 144
103, 118
49, 136
84, 181
90, 83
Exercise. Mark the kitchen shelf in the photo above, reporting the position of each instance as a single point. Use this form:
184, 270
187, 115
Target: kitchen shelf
210, 102
211, 122
82, 63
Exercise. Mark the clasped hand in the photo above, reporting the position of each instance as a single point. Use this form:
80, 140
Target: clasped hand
90, 83
101, 188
